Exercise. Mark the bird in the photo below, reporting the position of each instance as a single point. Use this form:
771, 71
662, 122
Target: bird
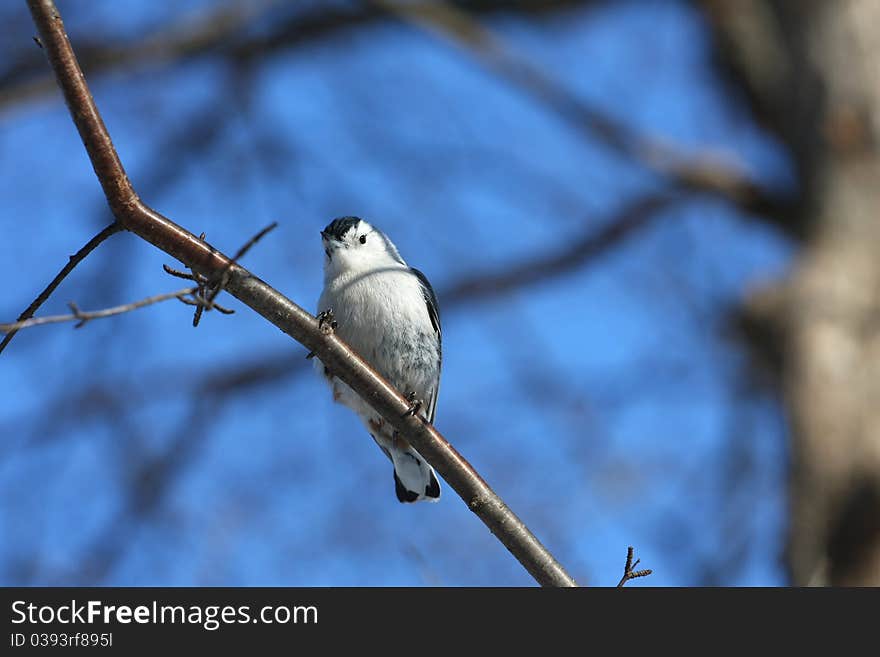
387, 312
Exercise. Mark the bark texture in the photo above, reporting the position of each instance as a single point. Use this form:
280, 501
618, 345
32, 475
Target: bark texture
811, 72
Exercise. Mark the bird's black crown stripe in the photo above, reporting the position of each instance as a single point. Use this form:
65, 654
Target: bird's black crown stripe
339, 227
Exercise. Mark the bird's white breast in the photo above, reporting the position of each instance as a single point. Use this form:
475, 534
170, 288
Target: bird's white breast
381, 313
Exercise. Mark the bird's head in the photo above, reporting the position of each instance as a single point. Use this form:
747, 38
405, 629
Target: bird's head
353, 245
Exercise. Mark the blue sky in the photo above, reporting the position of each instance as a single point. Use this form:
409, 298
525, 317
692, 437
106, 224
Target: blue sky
606, 405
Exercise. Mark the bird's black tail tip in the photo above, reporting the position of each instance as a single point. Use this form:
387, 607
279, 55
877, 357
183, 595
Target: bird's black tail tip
431, 492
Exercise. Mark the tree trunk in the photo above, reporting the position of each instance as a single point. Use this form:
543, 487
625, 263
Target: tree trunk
810, 71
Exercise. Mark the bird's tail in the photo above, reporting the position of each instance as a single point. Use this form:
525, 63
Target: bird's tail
414, 479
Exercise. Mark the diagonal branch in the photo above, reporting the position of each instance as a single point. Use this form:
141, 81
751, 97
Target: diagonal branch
74, 260
208, 289
634, 217
160, 231
273, 366
707, 173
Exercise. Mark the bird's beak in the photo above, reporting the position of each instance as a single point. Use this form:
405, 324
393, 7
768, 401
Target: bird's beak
324, 236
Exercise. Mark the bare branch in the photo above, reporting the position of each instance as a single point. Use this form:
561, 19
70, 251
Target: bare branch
286, 315
212, 33
632, 218
202, 296
708, 172
199, 32
250, 243
628, 572
74, 260
215, 287
82, 317
208, 289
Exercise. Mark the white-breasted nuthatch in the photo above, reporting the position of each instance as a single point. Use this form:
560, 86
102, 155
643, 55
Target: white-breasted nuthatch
387, 312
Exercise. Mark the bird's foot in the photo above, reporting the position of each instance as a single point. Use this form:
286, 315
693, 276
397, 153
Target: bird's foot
326, 321
415, 404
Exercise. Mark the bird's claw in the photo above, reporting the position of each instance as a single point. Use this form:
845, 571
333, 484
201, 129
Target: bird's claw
326, 322
415, 404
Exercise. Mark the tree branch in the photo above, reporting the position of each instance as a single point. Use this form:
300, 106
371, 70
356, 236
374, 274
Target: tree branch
706, 172
74, 260
202, 296
225, 31
632, 218
160, 231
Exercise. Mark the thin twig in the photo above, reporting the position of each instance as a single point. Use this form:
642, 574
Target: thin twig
74, 260
178, 274
82, 316
247, 245
202, 296
630, 220
209, 288
628, 572
200, 302
220, 283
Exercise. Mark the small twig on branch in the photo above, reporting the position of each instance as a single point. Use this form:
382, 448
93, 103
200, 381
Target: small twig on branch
247, 245
82, 317
200, 302
74, 260
209, 288
628, 572
222, 279
202, 296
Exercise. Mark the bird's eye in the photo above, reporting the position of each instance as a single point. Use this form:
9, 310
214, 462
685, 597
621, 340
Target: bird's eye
363, 239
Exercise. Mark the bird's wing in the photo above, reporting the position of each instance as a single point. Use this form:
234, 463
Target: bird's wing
434, 315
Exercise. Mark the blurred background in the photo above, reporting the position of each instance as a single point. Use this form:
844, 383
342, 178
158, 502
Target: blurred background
652, 227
